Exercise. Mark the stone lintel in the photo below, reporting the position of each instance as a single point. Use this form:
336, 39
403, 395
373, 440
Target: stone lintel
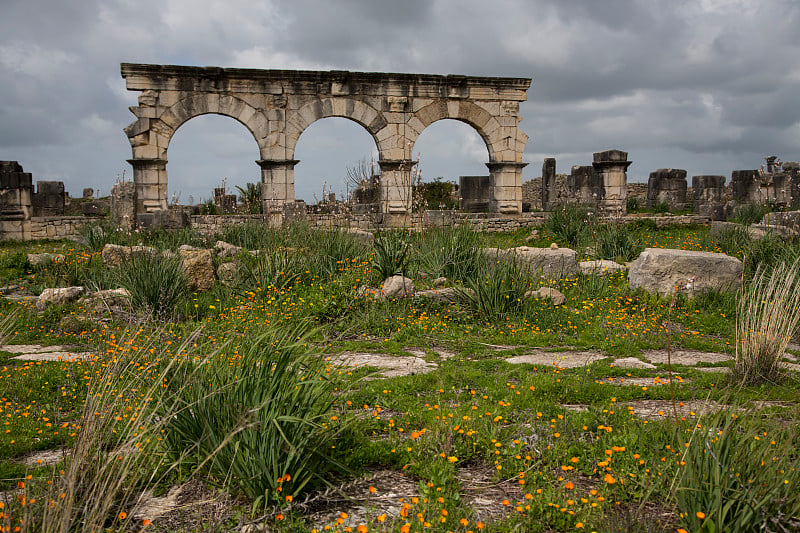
273, 163
141, 77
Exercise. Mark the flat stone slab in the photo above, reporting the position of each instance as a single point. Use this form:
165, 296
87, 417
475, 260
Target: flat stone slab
568, 359
37, 352
43, 457
391, 366
661, 409
642, 382
632, 362
686, 357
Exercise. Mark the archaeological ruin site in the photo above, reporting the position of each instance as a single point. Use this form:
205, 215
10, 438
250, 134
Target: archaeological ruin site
572, 352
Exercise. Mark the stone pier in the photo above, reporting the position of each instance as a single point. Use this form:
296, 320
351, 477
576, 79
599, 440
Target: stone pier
585, 186
612, 166
709, 196
549, 191
667, 185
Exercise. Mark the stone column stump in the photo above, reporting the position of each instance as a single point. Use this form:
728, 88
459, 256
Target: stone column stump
667, 185
709, 196
612, 166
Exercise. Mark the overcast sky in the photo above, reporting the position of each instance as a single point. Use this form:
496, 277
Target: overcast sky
705, 85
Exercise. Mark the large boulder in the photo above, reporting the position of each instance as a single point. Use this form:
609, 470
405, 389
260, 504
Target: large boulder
115, 255
58, 296
549, 263
555, 296
396, 287
199, 268
662, 269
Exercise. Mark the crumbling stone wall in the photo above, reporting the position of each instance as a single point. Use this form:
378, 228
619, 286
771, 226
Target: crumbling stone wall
49, 199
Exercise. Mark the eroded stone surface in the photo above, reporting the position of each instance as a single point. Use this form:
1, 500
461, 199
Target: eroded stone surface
37, 352
632, 362
568, 359
390, 366
661, 269
686, 357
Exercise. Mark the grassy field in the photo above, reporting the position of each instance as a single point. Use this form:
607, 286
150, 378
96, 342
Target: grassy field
286, 398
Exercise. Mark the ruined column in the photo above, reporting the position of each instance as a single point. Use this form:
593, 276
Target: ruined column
150, 177
667, 185
396, 192
709, 196
549, 193
612, 166
505, 180
277, 183
585, 186
747, 186
123, 204
15, 201
792, 169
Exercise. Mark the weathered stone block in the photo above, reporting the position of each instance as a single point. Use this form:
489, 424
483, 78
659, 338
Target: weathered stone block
661, 270
548, 263
667, 185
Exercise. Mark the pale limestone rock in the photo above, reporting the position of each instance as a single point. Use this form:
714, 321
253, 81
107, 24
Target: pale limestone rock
549, 263
115, 255
361, 235
548, 292
58, 296
38, 259
439, 283
601, 266
396, 287
661, 269
227, 272
199, 268
224, 249
445, 294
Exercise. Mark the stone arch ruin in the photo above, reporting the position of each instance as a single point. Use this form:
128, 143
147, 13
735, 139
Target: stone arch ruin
276, 106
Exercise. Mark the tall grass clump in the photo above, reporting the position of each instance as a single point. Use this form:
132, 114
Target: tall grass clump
157, 283
732, 240
750, 213
570, 223
390, 254
270, 271
253, 236
767, 253
453, 253
263, 415
116, 451
767, 319
618, 242
497, 290
736, 477
330, 252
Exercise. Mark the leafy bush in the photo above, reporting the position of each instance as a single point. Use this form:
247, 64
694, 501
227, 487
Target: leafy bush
261, 416
570, 223
737, 478
390, 254
157, 283
767, 319
453, 253
751, 213
250, 197
618, 242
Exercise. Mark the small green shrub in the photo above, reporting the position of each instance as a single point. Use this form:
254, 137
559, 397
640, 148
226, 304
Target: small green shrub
618, 242
661, 207
270, 272
570, 224
632, 204
157, 283
263, 417
391, 254
250, 197
751, 213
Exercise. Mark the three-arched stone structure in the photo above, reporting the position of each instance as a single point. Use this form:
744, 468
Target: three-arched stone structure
276, 106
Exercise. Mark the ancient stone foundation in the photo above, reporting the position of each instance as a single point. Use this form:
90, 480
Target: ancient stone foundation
667, 185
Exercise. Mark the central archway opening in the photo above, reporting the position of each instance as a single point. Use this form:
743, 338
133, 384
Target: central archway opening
330, 150
447, 150
211, 152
